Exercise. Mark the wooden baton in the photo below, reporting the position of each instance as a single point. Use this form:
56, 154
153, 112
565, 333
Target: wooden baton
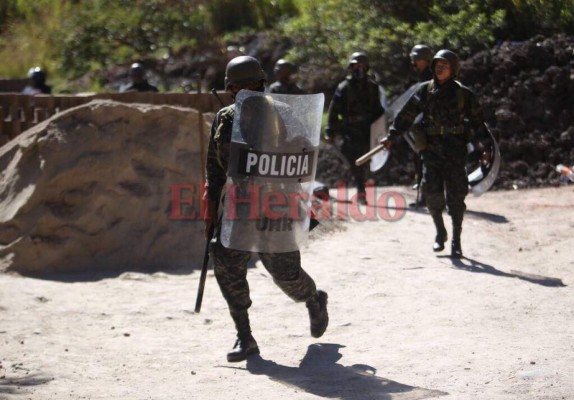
367, 156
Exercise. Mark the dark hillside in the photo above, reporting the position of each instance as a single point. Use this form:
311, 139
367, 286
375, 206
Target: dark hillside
527, 92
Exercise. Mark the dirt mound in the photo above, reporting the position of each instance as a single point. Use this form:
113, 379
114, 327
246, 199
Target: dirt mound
527, 92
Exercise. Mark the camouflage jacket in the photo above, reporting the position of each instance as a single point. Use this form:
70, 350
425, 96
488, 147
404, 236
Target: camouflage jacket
451, 115
218, 152
356, 103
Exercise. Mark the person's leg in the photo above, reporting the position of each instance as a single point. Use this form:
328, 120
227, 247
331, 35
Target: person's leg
230, 268
285, 268
352, 151
456, 183
421, 201
433, 191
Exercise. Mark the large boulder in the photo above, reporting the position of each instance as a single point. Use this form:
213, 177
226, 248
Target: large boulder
92, 189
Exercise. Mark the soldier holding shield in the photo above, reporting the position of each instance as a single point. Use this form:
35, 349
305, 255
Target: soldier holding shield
355, 106
452, 120
255, 162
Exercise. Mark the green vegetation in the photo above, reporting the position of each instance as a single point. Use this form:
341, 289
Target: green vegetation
72, 38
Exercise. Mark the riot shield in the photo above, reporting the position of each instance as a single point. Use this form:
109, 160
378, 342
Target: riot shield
272, 164
400, 102
379, 127
482, 176
378, 131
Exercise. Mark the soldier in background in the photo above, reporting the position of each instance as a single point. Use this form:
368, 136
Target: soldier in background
230, 265
354, 107
283, 71
452, 119
37, 84
138, 82
421, 56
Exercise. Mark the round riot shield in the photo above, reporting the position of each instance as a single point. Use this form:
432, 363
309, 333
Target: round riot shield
272, 163
483, 173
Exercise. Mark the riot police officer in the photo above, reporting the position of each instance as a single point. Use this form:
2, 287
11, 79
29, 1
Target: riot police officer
421, 56
452, 118
37, 85
138, 81
230, 265
283, 71
354, 107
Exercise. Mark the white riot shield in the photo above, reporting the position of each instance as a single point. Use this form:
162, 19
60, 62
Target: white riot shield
272, 165
379, 127
378, 131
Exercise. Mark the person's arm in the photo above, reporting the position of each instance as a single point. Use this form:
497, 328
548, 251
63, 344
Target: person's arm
336, 109
215, 176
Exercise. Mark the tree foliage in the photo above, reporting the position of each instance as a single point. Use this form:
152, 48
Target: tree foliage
235, 15
108, 32
74, 37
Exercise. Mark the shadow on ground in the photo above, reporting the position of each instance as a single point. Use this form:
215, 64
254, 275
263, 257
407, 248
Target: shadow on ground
468, 264
18, 386
320, 373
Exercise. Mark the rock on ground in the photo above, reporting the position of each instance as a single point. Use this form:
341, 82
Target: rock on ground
91, 188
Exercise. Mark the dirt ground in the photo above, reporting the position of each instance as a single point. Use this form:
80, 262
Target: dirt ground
406, 323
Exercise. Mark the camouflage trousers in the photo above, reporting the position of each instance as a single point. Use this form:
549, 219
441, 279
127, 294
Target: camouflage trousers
445, 183
230, 267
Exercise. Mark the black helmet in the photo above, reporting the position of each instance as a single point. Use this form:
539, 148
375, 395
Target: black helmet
359, 57
421, 52
137, 69
284, 65
37, 75
449, 56
243, 69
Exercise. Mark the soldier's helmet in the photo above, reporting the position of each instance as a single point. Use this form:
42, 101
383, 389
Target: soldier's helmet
137, 69
243, 69
284, 65
37, 75
359, 57
449, 56
421, 52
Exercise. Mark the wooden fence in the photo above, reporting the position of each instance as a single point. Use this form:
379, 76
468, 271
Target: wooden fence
19, 112
13, 85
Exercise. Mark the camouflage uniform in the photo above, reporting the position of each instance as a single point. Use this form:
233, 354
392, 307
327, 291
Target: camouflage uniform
230, 265
357, 102
452, 117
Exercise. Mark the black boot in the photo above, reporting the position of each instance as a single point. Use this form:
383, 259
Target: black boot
245, 345
441, 234
455, 248
318, 315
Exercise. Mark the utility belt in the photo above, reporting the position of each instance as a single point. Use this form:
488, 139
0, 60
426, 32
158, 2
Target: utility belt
421, 134
444, 130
